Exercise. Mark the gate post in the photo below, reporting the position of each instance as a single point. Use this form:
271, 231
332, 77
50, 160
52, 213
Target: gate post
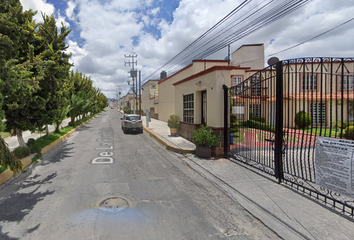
226, 114
278, 156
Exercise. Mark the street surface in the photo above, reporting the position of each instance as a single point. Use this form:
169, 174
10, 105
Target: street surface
103, 184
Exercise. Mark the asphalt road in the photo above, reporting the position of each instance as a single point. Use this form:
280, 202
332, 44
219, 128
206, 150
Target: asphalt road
103, 184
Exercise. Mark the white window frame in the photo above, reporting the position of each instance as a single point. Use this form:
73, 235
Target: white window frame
318, 113
347, 79
188, 108
309, 82
236, 80
256, 109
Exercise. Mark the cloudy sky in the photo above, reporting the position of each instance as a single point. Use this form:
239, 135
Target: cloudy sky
104, 31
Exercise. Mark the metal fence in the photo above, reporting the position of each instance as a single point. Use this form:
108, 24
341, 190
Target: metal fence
278, 113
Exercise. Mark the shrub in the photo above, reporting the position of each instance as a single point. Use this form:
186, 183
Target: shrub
234, 124
21, 152
126, 109
303, 119
340, 125
349, 132
205, 137
259, 125
173, 121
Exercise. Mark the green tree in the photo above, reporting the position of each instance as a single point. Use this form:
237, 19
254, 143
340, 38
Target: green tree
75, 103
16, 28
60, 116
50, 48
20, 72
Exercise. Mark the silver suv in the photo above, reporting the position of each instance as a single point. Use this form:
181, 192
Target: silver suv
131, 122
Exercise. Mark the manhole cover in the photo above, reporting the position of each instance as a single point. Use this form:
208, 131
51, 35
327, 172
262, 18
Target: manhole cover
115, 203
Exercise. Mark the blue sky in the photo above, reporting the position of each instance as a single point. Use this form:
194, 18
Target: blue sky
103, 31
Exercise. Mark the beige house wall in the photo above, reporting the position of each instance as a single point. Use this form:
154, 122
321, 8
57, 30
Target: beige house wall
166, 89
251, 55
211, 82
150, 96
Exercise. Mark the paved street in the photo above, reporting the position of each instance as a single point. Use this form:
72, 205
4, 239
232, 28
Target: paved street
103, 184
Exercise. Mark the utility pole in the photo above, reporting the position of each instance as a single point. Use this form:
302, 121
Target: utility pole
140, 92
132, 72
228, 54
118, 97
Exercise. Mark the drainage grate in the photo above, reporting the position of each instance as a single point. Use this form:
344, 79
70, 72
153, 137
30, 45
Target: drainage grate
115, 203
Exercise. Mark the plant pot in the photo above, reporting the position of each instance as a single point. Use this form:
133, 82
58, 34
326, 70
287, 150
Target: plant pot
203, 152
173, 132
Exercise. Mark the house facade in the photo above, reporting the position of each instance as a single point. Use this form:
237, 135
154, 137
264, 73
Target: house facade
195, 93
150, 97
324, 90
166, 88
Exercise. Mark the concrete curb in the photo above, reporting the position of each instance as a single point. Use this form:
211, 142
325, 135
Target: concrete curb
168, 145
6, 175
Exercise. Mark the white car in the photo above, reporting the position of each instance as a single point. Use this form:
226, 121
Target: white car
132, 122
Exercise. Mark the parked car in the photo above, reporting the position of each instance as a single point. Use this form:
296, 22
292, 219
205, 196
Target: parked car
132, 122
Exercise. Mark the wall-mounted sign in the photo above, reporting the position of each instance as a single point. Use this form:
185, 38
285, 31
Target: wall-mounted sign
334, 164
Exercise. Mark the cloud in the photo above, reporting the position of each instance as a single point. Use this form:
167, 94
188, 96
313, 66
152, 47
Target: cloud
38, 5
103, 32
61, 20
70, 10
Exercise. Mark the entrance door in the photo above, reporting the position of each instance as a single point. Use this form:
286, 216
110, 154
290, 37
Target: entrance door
204, 107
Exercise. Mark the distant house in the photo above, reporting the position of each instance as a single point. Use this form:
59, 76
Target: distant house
150, 97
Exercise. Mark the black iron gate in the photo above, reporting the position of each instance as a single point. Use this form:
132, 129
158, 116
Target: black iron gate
277, 115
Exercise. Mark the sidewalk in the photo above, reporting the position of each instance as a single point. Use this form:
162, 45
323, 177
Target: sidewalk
288, 213
161, 132
13, 142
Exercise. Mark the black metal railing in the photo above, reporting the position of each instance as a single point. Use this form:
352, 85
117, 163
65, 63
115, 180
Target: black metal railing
278, 114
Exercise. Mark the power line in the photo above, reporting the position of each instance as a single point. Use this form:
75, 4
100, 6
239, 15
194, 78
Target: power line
240, 22
310, 39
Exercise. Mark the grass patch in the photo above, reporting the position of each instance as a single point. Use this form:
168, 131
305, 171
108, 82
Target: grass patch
2, 169
324, 132
35, 146
4, 134
37, 157
238, 137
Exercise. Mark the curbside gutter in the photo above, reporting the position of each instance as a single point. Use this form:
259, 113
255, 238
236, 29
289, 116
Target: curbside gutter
6, 175
168, 145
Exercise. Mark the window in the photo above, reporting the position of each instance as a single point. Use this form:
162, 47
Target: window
318, 113
239, 111
236, 81
351, 111
256, 87
188, 108
256, 111
347, 82
309, 82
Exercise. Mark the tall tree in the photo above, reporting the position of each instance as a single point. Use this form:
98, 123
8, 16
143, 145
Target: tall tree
16, 32
51, 48
19, 72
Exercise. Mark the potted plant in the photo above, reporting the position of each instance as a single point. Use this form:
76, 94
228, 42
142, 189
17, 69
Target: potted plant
204, 138
173, 123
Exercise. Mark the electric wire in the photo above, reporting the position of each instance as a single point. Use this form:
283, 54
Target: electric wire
230, 29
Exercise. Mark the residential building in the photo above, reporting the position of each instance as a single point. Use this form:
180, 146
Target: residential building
150, 97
